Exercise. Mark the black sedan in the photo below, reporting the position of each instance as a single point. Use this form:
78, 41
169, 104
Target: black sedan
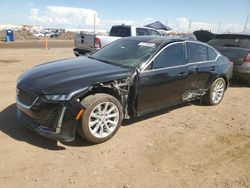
128, 78
237, 48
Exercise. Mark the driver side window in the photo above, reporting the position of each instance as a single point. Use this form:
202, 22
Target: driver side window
174, 55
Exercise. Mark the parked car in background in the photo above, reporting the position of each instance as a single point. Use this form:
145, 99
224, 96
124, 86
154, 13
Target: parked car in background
38, 34
86, 43
127, 78
51, 34
48, 33
237, 48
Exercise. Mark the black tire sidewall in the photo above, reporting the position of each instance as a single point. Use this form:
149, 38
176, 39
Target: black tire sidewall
85, 119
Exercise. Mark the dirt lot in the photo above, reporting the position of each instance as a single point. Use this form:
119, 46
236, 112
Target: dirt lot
52, 43
188, 146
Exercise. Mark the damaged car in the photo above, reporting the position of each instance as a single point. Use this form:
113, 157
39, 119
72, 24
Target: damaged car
127, 78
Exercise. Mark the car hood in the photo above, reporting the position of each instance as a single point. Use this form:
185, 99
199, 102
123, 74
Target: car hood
69, 75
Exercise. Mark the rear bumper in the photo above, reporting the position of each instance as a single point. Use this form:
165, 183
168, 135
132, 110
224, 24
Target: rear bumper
242, 71
80, 52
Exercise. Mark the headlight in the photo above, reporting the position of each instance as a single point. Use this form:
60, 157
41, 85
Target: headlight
57, 97
64, 97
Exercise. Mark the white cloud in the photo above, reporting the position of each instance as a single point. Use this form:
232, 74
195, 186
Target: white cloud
182, 25
72, 17
61, 15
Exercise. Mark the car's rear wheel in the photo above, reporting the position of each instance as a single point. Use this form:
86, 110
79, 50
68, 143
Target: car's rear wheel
101, 119
216, 92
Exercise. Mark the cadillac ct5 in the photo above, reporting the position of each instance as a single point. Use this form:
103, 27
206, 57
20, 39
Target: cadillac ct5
127, 78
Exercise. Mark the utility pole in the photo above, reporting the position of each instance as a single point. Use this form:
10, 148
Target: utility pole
219, 27
94, 21
38, 24
190, 26
245, 28
166, 22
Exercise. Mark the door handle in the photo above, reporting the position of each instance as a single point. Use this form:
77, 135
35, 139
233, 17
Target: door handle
212, 68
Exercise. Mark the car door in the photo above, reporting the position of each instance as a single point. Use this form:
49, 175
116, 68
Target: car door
202, 62
164, 81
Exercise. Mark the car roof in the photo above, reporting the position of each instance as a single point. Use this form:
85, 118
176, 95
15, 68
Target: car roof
240, 34
155, 39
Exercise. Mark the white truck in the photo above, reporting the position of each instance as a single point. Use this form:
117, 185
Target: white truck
86, 43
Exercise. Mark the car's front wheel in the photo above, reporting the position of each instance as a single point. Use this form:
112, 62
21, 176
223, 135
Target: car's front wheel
216, 92
101, 119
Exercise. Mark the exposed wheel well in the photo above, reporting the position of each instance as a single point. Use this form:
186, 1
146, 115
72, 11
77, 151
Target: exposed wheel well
105, 90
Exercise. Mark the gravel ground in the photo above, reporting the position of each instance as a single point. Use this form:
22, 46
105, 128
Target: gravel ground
187, 146
52, 43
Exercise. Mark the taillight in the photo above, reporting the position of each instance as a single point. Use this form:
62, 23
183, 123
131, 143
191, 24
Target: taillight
97, 43
248, 57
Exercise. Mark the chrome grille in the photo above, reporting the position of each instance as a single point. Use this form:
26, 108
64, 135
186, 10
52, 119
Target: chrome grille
26, 97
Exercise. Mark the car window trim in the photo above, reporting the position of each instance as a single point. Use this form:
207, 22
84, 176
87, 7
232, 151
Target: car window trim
185, 43
158, 53
196, 42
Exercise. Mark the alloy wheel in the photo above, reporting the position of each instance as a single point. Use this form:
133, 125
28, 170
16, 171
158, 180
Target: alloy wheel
218, 91
103, 119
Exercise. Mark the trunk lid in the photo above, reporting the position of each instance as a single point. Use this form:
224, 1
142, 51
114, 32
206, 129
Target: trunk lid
203, 35
236, 55
84, 41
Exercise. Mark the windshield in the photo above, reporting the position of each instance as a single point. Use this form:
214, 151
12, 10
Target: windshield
240, 41
126, 53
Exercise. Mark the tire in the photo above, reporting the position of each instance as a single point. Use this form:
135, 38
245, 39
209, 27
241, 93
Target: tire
216, 92
97, 124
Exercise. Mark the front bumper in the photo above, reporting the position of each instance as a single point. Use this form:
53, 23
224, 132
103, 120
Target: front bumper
52, 120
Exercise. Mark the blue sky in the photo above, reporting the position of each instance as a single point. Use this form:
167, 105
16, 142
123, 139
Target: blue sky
203, 13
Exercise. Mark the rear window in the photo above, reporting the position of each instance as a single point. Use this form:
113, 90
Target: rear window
153, 33
197, 52
241, 41
141, 31
212, 55
120, 31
